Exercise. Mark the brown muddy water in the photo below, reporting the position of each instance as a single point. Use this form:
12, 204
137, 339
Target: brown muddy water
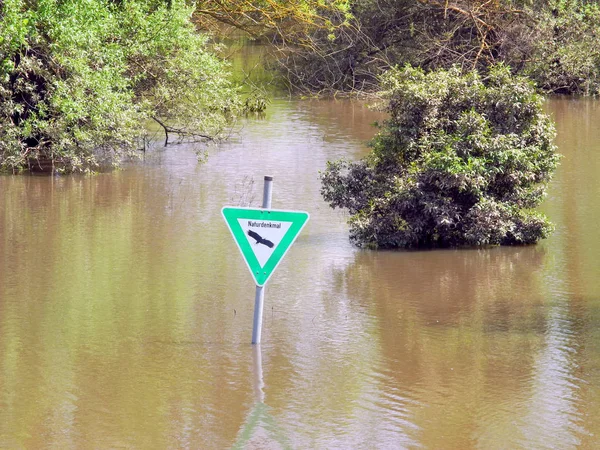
126, 309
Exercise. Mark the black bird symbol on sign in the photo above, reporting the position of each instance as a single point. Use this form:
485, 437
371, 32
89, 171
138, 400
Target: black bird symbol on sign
260, 239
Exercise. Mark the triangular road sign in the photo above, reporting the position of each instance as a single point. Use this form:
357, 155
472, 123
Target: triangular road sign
263, 236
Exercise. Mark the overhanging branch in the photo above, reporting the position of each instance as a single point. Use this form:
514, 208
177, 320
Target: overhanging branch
182, 132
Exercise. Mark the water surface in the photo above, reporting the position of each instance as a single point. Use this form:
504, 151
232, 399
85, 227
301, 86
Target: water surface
126, 309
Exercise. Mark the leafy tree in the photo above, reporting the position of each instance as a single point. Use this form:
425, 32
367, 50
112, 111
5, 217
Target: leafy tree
565, 49
383, 33
462, 160
556, 42
80, 79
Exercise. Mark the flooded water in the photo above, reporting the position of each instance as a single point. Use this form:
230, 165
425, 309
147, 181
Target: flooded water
126, 309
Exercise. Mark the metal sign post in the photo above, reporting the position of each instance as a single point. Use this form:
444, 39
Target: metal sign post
263, 236
259, 297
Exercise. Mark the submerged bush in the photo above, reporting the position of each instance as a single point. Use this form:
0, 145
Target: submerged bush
462, 160
80, 79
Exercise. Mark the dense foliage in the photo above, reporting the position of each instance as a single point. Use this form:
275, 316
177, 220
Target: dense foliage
462, 160
565, 49
556, 42
80, 79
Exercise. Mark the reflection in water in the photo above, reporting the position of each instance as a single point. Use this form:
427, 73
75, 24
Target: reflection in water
260, 429
126, 310
257, 370
458, 329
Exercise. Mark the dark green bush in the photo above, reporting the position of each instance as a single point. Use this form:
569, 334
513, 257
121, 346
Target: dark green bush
461, 161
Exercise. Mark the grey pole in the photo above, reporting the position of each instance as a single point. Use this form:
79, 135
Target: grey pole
267, 192
259, 297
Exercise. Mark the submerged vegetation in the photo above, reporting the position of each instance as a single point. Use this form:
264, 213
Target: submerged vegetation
463, 160
79, 80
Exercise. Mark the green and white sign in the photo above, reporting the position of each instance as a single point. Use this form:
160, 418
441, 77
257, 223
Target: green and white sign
263, 236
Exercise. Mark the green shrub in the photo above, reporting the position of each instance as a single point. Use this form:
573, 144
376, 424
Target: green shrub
461, 161
80, 79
